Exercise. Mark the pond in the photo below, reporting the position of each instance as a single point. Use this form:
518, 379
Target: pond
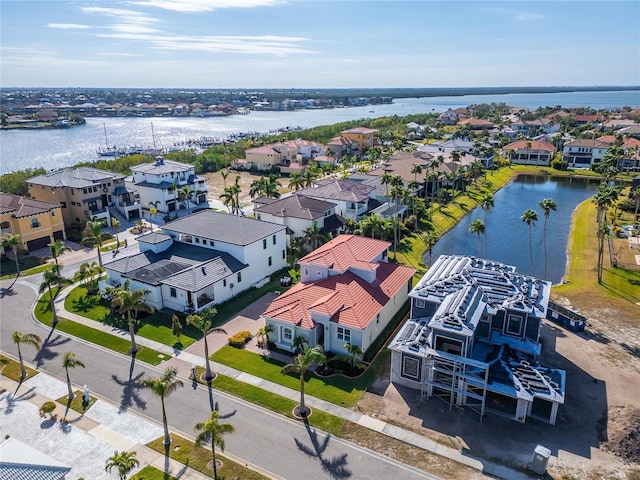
508, 236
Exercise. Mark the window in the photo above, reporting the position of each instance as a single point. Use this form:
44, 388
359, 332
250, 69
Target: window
270, 261
344, 334
224, 282
514, 324
306, 271
284, 254
197, 240
172, 292
84, 190
35, 223
212, 243
63, 204
410, 367
53, 213
419, 303
287, 335
264, 243
273, 239
239, 277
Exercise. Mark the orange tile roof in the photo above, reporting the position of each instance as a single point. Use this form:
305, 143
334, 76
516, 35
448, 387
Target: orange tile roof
347, 299
627, 142
535, 145
346, 251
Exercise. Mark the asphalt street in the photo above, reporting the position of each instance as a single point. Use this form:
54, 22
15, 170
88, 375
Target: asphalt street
285, 448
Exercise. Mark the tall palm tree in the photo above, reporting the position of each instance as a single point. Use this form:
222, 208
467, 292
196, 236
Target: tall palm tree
88, 274
301, 363
314, 236
93, 234
416, 169
123, 461
228, 198
115, 224
272, 186
602, 232
130, 303
50, 278
212, 430
203, 322
375, 222
296, 181
162, 387
308, 177
14, 243
397, 188
530, 217
477, 227
28, 339
153, 211
58, 248
70, 361
385, 180
263, 334
186, 194
486, 203
430, 239
257, 188
547, 205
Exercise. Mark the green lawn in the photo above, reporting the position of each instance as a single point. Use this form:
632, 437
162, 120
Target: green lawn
339, 390
117, 344
156, 326
77, 404
151, 473
28, 266
11, 369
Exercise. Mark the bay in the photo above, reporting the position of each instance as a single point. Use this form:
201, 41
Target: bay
59, 148
508, 235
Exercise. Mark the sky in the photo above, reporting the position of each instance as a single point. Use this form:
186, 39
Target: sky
318, 44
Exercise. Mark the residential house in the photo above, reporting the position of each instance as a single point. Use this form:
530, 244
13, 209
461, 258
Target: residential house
38, 223
20, 461
529, 152
298, 213
348, 293
86, 193
201, 260
342, 147
476, 123
539, 126
583, 152
159, 184
473, 338
352, 199
630, 160
482, 152
362, 136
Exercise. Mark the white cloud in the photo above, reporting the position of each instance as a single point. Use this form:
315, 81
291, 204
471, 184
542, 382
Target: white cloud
127, 16
191, 6
113, 54
68, 26
525, 16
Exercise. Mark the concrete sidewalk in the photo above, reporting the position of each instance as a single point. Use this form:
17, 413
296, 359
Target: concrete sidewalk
183, 361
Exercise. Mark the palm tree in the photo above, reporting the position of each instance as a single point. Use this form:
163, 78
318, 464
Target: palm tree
547, 205
70, 361
13, 242
416, 169
375, 222
477, 227
397, 188
530, 217
385, 179
257, 188
58, 248
203, 322
314, 236
296, 181
123, 461
229, 199
430, 239
130, 303
28, 339
271, 186
263, 334
93, 234
354, 352
212, 430
308, 177
301, 363
185, 194
162, 387
153, 210
486, 203
50, 278
87, 273
601, 232
115, 223
224, 174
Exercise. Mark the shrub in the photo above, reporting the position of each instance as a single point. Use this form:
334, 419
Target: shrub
239, 339
559, 165
47, 408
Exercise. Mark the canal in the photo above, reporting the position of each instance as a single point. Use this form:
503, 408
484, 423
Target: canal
508, 236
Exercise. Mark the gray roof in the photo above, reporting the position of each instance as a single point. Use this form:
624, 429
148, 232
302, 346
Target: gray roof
76, 178
346, 190
222, 227
184, 266
297, 206
161, 166
154, 238
20, 461
24, 206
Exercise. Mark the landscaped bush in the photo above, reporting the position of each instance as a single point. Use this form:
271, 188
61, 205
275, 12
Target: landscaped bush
239, 339
47, 408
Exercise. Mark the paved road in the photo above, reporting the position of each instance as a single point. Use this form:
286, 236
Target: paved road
285, 448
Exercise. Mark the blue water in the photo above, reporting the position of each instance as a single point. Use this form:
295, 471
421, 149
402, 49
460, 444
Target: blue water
508, 236
54, 149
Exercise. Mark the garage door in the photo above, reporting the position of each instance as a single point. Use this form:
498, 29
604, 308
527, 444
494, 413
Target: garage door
38, 243
59, 235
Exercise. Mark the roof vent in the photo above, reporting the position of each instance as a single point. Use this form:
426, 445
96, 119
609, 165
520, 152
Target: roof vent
159, 161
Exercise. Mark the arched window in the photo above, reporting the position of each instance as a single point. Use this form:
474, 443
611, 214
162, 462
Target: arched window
35, 223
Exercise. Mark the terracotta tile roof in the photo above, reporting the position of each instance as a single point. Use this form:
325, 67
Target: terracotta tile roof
24, 206
347, 299
586, 142
346, 251
627, 142
535, 145
475, 122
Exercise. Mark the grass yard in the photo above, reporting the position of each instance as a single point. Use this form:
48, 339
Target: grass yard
188, 454
28, 266
10, 368
77, 404
117, 344
152, 473
339, 390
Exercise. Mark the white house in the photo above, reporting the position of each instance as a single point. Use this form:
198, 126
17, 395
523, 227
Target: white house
201, 260
473, 339
348, 293
159, 183
350, 198
583, 152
